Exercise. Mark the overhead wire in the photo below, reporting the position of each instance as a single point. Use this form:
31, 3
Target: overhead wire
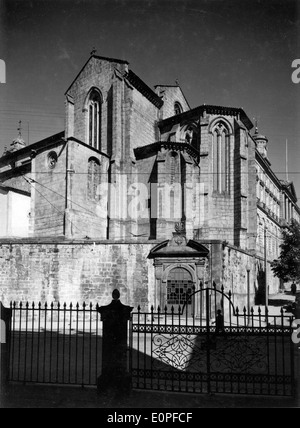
207, 219
57, 209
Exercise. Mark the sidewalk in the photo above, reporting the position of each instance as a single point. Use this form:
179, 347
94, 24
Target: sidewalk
36, 396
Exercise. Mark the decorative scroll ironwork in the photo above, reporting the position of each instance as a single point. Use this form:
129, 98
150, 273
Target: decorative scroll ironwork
234, 354
174, 350
223, 350
240, 354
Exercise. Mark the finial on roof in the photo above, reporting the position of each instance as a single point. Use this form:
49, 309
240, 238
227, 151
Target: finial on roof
256, 125
94, 51
18, 143
180, 227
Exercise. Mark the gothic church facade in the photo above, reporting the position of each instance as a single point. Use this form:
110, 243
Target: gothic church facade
140, 192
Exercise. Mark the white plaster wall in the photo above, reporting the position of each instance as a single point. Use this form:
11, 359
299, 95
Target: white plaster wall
14, 214
3, 213
20, 209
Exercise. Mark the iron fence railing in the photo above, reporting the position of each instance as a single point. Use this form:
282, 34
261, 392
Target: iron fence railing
213, 348
204, 346
56, 344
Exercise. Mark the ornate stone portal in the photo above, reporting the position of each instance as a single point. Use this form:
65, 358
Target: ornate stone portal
180, 265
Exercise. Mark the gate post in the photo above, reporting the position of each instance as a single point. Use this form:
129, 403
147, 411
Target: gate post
295, 353
5, 327
115, 317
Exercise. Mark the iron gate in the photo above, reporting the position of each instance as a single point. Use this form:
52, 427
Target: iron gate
55, 344
210, 347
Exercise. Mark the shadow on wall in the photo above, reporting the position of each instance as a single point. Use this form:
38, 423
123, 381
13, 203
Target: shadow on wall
260, 290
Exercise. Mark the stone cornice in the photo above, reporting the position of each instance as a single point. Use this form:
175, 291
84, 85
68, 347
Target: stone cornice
138, 84
151, 149
207, 109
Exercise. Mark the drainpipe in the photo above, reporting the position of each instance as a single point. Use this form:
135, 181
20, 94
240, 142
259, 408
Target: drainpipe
66, 192
68, 202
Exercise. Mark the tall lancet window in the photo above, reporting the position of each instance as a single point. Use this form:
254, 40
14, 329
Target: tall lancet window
93, 179
94, 120
221, 158
175, 192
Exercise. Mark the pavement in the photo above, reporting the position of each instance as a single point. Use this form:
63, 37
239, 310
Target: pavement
44, 396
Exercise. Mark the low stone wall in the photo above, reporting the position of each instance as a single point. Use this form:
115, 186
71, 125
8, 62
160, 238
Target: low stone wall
75, 272
58, 270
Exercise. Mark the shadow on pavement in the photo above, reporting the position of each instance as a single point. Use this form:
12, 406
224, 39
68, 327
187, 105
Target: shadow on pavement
36, 396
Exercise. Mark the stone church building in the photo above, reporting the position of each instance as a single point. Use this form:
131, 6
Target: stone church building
142, 193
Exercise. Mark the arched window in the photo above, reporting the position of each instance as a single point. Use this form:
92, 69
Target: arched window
176, 187
174, 167
221, 158
179, 286
94, 179
177, 108
94, 120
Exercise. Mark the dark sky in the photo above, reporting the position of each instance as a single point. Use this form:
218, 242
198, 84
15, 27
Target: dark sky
231, 53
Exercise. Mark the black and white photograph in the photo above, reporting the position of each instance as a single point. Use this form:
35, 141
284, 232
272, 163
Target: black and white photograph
149, 213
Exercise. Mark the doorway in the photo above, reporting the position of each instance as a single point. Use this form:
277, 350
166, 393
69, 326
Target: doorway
179, 285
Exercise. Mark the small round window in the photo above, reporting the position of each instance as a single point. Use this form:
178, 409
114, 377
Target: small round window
52, 160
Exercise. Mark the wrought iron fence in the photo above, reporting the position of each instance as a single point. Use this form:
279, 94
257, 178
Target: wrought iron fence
209, 351
56, 344
206, 347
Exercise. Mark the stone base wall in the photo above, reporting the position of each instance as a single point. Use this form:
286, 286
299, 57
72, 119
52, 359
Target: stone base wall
76, 272
87, 271
236, 264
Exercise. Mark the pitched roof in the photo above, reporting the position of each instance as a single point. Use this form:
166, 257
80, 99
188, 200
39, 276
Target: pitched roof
120, 61
210, 109
27, 149
174, 86
144, 89
185, 248
131, 77
12, 189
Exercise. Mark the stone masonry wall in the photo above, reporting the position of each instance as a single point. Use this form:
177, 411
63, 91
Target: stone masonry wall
48, 192
31, 270
142, 124
171, 94
18, 183
219, 207
86, 216
78, 271
235, 266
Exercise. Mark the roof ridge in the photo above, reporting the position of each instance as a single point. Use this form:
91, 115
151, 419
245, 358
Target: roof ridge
120, 61
143, 88
106, 58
